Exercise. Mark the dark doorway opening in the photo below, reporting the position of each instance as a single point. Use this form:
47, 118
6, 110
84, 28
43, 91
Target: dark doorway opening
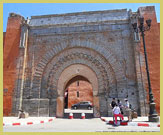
78, 92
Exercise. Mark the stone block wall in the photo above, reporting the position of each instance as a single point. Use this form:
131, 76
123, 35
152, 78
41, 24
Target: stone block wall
105, 47
101, 40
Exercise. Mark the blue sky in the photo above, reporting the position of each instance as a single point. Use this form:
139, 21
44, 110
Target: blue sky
29, 9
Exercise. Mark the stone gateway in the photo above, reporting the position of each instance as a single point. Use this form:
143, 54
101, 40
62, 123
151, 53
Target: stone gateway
44, 53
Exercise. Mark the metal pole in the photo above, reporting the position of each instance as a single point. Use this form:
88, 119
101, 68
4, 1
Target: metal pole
153, 117
147, 69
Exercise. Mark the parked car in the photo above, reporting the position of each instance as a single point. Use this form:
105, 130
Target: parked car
82, 105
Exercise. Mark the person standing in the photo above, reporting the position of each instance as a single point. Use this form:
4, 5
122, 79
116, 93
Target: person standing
128, 110
113, 103
120, 106
117, 113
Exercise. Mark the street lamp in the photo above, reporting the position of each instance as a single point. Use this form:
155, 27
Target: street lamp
153, 117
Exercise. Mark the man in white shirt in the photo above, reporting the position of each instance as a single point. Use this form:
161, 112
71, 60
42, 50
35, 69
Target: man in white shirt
117, 113
127, 105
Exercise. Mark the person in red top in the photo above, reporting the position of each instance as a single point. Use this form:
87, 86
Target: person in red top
117, 113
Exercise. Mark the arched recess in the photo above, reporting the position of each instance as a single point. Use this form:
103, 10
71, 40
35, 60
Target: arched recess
99, 65
102, 63
69, 73
104, 53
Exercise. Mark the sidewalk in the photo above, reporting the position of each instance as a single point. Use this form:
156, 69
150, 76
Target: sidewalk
140, 121
14, 121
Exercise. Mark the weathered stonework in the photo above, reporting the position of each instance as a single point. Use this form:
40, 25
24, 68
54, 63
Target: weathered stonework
98, 46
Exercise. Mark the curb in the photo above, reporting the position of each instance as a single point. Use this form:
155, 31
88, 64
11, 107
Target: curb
133, 123
28, 123
143, 124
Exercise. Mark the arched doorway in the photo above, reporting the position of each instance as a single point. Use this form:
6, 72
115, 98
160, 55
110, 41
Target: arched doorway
79, 91
69, 75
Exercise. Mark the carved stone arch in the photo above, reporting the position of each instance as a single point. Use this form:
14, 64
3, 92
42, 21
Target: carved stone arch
57, 66
82, 56
105, 52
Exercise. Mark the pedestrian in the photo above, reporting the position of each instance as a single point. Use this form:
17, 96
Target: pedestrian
120, 106
117, 113
113, 103
128, 110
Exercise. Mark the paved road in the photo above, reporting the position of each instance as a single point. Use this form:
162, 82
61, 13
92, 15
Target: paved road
78, 125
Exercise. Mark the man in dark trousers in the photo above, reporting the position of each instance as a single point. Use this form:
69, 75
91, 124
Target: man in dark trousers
120, 105
113, 103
